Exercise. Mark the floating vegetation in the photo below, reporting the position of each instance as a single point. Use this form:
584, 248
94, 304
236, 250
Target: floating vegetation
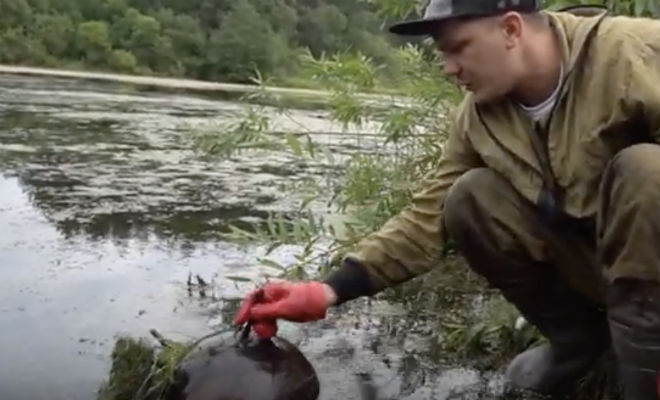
141, 370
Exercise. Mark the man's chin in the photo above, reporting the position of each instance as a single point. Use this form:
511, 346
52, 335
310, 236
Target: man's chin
484, 97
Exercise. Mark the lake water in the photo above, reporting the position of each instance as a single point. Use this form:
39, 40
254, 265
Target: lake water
105, 210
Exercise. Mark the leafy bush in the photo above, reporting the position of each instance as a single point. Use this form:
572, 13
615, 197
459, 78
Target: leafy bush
123, 61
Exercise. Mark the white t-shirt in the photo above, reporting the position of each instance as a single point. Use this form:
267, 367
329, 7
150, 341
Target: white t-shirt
540, 111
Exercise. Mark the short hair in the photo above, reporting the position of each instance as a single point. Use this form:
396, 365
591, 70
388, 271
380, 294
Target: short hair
535, 18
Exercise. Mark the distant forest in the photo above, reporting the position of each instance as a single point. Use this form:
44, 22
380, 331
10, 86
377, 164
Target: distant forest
224, 40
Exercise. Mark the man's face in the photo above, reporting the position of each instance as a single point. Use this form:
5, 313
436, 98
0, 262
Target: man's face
480, 55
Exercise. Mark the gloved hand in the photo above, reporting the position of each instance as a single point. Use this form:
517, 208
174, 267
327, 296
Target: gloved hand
263, 329
297, 302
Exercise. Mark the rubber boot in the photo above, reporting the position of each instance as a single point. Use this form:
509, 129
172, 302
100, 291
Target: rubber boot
634, 319
576, 331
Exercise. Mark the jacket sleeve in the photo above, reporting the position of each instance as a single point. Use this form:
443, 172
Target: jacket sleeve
643, 75
411, 242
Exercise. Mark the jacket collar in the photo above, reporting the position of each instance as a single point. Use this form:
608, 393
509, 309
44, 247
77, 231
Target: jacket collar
573, 36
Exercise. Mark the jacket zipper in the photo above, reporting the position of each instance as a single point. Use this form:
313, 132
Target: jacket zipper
503, 147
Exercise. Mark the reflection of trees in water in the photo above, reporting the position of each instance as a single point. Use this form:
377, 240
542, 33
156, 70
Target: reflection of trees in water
73, 216
26, 120
104, 178
101, 194
46, 128
188, 225
191, 218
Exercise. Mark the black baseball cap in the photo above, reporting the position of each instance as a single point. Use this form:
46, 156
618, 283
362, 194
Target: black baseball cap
441, 10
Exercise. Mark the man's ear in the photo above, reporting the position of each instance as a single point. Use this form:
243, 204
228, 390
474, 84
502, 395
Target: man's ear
511, 25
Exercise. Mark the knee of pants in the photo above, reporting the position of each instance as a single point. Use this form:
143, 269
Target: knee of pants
474, 184
628, 222
636, 165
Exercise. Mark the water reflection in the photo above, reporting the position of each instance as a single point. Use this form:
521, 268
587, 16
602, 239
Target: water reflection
106, 162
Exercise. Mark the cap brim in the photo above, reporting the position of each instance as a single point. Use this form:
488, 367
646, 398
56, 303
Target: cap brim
416, 27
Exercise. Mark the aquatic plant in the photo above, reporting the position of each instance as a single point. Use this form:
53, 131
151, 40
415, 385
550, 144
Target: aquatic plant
140, 371
143, 370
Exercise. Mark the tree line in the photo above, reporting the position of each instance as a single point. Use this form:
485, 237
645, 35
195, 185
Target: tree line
204, 39
225, 40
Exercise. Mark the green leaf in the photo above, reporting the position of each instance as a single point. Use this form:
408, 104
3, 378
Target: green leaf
308, 246
474, 335
283, 231
273, 246
238, 278
272, 227
331, 229
271, 263
294, 145
328, 155
306, 201
298, 234
241, 233
310, 146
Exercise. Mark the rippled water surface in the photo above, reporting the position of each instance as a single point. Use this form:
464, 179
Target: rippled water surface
105, 210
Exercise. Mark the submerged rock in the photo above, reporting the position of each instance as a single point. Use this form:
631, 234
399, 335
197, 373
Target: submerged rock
251, 369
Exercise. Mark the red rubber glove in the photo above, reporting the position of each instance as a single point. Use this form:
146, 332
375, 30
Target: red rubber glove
263, 329
297, 302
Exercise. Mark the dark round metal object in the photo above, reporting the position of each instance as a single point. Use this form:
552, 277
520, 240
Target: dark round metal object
251, 369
